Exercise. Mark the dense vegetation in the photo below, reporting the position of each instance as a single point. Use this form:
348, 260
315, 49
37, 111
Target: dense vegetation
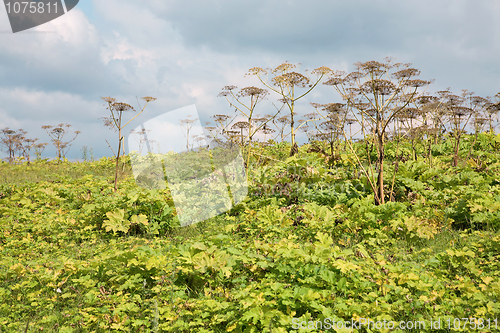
389, 214
308, 242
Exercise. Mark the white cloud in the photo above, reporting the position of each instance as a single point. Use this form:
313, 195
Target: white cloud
119, 48
49, 106
138, 22
7, 121
57, 42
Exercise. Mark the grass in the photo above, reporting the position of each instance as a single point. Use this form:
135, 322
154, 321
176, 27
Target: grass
401, 279
50, 171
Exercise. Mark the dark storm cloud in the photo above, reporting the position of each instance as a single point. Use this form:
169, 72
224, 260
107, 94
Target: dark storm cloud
454, 40
294, 26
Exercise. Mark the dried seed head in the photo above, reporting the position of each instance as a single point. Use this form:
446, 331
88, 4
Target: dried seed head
353, 76
256, 71
328, 125
121, 107
378, 86
425, 99
267, 130
418, 83
253, 91
323, 70
333, 107
284, 120
226, 91
480, 121
334, 81
149, 99
291, 79
479, 101
259, 120
310, 116
220, 117
406, 73
461, 111
408, 113
109, 100
240, 125
284, 68
362, 106
372, 66
8, 131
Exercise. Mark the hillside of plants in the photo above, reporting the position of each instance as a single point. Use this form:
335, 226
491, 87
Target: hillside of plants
308, 242
390, 213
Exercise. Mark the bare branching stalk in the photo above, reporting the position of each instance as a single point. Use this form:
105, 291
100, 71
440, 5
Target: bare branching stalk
115, 122
17, 142
56, 134
245, 102
460, 110
9, 142
286, 82
187, 124
334, 118
39, 148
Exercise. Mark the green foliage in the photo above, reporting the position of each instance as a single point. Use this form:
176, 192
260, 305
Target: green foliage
308, 242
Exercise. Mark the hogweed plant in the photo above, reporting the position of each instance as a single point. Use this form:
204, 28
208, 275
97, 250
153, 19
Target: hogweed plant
281, 123
330, 130
56, 134
141, 137
287, 83
187, 124
252, 124
460, 109
376, 92
26, 145
16, 143
39, 148
492, 110
219, 132
115, 122
9, 141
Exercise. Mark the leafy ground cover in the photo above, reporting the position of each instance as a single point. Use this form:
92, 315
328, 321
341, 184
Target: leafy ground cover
307, 243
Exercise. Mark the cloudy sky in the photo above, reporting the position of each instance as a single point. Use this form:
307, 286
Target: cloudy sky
184, 52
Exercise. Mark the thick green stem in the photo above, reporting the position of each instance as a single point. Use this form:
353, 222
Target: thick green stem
379, 198
119, 150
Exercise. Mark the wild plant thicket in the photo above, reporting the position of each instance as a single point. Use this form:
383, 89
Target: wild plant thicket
398, 222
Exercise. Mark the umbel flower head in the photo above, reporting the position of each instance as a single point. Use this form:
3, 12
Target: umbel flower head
220, 117
253, 91
109, 100
148, 99
291, 79
241, 125
121, 107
